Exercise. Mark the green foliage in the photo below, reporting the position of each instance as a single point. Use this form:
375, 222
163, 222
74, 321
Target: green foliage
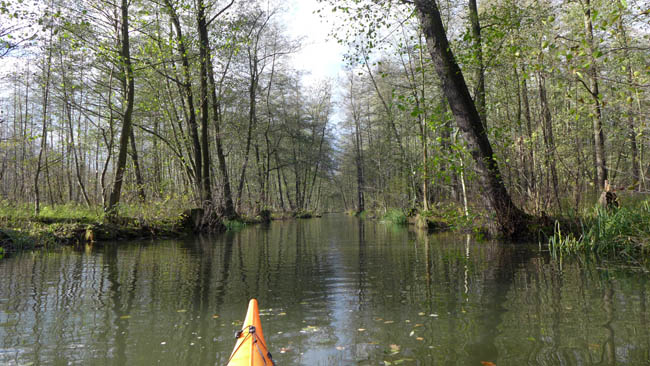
395, 216
234, 225
622, 233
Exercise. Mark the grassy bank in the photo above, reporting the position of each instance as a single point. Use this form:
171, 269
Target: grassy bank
620, 232
21, 229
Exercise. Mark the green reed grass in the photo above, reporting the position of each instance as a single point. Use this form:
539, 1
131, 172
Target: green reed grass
623, 232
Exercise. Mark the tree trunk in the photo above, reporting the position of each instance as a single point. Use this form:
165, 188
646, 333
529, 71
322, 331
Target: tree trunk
634, 164
75, 155
252, 121
46, 94
479, 75
359, 160
136, 166
599, 136
509, 218
229, 207
128, 85
206, 63
532, 180
186, 89
549, 139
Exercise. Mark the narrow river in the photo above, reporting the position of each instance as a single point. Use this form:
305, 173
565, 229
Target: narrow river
334, 291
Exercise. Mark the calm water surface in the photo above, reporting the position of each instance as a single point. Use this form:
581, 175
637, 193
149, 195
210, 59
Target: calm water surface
334, 291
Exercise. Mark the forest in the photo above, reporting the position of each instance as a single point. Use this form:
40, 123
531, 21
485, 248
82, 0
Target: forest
502, 109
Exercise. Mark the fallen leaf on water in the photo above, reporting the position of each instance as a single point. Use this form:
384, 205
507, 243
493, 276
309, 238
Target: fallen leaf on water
419, 325
421, 314
361, 330
412, 333
215, 316
488, 363
433, 315
309, 328
181, 311
125, 317
419, 338
407, 321
394, 348
282, 314
389, 322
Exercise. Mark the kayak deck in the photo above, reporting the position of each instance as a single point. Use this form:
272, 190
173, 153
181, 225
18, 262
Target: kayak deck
250, 348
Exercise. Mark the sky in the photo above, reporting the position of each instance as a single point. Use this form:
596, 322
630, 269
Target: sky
320, 55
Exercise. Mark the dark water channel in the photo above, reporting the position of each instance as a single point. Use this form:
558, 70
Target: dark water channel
335, 291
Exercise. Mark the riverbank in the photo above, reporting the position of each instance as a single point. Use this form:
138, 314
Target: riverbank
441, 218
23, 233
621, 233
21, 229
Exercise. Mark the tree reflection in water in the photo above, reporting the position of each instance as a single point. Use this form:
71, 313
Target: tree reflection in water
336, 290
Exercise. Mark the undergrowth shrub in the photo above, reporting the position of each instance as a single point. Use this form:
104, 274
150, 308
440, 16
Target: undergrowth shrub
395, 216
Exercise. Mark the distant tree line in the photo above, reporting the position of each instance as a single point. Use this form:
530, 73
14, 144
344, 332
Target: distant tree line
530, 105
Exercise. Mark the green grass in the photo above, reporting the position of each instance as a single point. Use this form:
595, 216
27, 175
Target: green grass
622, 233
395, 216
64, 224
67, 212
234, 225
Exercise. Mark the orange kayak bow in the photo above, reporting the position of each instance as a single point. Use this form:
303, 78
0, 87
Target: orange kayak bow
250, 349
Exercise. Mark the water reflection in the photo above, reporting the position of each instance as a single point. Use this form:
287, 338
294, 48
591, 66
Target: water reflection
334, 291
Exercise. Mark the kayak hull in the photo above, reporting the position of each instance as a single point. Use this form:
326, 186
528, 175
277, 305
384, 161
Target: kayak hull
250, 348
